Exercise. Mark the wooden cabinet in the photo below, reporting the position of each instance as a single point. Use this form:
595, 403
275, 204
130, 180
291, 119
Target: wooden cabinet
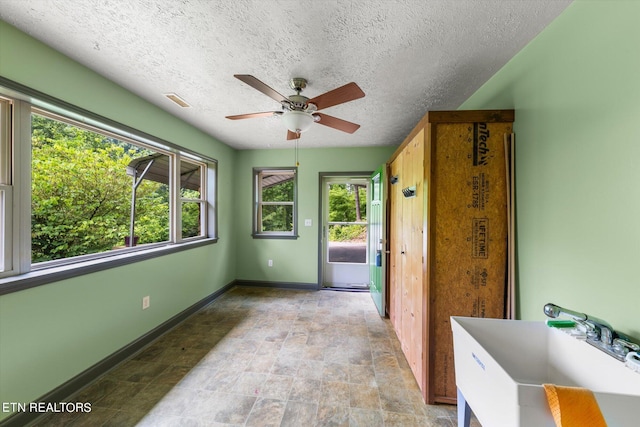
448, 233
406, 242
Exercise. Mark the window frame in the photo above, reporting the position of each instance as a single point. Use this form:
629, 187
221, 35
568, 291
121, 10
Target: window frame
15, 184
6, 184
257, 232
202, 200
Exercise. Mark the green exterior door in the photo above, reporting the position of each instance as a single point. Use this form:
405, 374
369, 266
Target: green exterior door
377, 240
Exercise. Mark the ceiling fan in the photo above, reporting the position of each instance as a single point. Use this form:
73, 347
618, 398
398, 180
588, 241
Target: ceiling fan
299, 112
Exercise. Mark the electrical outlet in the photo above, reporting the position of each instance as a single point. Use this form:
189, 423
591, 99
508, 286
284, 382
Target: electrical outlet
307, 223
146, 302
270, 263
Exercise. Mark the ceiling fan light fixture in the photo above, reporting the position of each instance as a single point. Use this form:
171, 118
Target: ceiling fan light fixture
297, 121
299, 112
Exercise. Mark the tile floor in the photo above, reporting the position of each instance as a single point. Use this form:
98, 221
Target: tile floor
266, 357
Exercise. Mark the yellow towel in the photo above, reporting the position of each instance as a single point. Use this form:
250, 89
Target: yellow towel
573, 406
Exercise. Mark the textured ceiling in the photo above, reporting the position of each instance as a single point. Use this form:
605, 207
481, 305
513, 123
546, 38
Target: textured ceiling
408, 56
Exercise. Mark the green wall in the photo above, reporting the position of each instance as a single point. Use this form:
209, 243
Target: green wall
293, 260
51, 333
576, 92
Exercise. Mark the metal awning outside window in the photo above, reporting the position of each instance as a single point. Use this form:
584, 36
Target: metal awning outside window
156, 168
271, 180
158, 171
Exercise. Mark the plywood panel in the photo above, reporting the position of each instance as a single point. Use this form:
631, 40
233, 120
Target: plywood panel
395, 240
470, 236
429, 237
414, 251
406, 243
406, 180
412, 325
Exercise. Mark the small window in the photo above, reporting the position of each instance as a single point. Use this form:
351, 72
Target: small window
275, 211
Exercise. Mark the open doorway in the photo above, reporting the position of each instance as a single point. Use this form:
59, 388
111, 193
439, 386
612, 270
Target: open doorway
343, 241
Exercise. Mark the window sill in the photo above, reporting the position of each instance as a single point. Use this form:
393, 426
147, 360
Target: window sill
275, 236
53, 274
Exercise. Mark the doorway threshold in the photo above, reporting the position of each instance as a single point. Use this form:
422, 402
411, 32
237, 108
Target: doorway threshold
348, 287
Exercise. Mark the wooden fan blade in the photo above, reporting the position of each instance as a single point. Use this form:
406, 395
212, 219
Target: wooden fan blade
336, 123
251, 115
346, 93
292, 135
257, 84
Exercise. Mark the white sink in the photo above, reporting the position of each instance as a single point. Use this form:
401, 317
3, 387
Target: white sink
501, 365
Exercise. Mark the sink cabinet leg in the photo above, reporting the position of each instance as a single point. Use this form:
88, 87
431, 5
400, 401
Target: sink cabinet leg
464, 411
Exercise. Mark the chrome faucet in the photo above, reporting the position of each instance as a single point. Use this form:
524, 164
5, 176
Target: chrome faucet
597, 328
600, 334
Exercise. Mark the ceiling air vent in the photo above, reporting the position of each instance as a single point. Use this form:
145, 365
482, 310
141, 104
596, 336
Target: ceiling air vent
175, 98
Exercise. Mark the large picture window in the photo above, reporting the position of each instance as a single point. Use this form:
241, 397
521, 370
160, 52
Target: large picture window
275, 210
83, 186
86, 192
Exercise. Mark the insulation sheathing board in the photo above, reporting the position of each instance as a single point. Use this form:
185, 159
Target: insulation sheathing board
469, 256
